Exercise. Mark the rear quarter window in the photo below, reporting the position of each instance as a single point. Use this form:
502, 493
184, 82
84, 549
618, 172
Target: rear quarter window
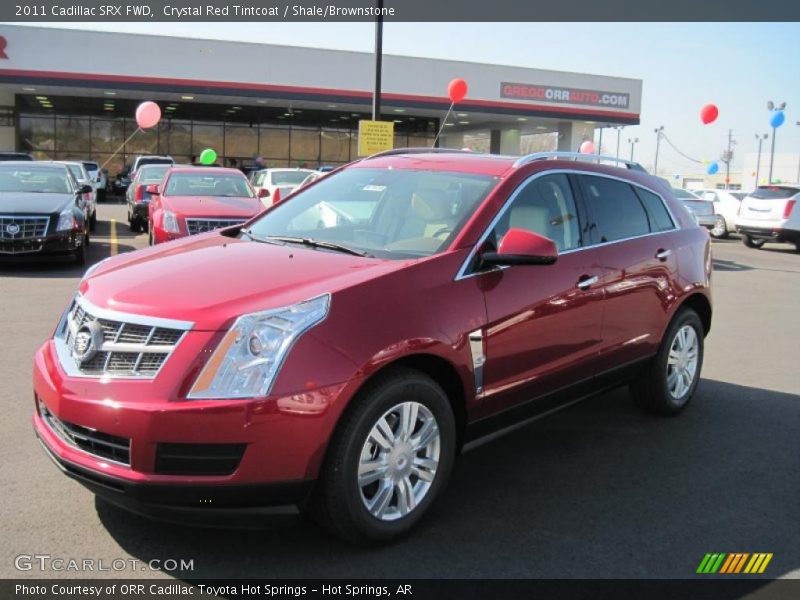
656, 211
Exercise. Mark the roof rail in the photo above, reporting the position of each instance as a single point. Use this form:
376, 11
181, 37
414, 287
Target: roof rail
576, 156
394, 151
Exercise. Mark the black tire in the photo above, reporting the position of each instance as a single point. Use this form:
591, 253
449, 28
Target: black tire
797, 246
93, 221
150, 239
751, 242
721, 229
338, 504
80, 253
650, 390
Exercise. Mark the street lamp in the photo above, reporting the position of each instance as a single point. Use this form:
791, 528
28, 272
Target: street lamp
619, 131
659, 132
760, 137
773, 108
632, 141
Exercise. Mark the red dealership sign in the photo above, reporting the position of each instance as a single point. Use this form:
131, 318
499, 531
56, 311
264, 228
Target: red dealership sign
563, 95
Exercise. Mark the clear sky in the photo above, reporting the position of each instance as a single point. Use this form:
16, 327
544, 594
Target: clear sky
737, 66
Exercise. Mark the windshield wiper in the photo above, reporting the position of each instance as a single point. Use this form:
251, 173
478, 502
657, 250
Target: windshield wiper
312, 243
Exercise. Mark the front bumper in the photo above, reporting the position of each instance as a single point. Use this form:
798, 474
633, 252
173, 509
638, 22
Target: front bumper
284, 437
65, 242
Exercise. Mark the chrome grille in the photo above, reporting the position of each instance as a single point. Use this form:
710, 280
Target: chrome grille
91, 441
128, 348
15, 228
202, 225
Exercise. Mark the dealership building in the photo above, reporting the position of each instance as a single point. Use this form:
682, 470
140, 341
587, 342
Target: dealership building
72, 94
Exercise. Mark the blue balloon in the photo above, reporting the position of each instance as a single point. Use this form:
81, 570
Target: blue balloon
712, 168
777, 119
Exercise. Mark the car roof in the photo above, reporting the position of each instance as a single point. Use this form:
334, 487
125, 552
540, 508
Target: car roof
209, 170
470, 162
33, 163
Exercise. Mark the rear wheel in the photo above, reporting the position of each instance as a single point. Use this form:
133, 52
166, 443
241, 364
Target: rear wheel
93, 221
389, 459
752, 242
720, 229
668, 383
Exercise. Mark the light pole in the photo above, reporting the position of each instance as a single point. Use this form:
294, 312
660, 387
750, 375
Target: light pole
619, 132
658, 131
376, 96
772, 108
798, 159
760, 138
600, 141
632, 141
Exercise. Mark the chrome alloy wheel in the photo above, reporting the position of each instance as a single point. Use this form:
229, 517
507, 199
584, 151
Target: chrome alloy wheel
720, 228
398, 462
682, 362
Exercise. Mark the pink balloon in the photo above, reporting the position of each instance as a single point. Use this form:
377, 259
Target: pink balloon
148, 114
587, 147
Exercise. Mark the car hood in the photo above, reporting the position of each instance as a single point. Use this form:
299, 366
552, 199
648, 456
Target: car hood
211, 279
213, 206
30, 203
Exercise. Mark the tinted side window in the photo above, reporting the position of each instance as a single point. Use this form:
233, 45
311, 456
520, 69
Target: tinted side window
545, 206
617, 211
659, 216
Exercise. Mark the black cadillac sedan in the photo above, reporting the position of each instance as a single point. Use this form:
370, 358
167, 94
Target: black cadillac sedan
42, 211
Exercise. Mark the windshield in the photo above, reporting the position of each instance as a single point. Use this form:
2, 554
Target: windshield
205, 184
683, 194
91, 166
35, 179
774, 192
386, 213
153, 174
289, 177
77, 172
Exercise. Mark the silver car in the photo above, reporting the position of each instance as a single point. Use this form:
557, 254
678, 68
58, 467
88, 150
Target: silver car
703, 210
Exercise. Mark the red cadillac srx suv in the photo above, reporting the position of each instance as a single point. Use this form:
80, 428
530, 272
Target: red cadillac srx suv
335, 353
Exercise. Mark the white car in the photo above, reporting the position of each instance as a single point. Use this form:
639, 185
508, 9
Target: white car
770, 214
83, 178
726, 207
285, 181
99, 177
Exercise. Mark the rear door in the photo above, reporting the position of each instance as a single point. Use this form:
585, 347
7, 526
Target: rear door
635, 234
544, 321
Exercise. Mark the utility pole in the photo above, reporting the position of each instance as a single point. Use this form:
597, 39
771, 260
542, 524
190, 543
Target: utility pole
376, 96
727, 156
760, 139
658, 131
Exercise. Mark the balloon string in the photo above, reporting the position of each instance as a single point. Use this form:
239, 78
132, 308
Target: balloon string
686, 156
436, 139
113, 154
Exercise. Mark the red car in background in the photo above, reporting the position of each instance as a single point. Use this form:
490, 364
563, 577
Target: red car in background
338, 351
193, 200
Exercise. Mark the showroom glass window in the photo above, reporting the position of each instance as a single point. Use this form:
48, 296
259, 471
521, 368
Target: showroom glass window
616, 210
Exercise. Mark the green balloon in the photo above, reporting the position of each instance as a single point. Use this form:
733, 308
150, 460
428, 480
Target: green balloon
208, 157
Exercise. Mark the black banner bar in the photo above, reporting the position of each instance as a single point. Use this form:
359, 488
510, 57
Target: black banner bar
33, 11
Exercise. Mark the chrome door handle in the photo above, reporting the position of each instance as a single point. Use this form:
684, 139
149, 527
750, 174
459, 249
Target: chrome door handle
662, 254
586, 282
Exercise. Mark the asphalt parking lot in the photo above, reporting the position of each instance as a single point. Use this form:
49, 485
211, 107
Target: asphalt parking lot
597, 490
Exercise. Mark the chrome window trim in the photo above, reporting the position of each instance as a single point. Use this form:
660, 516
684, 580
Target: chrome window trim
462, 272
68, 363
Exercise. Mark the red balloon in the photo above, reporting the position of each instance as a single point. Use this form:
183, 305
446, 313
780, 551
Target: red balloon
709, 113
457, 90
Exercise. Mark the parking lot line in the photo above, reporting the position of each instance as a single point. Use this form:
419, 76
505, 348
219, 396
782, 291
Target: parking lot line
113, 245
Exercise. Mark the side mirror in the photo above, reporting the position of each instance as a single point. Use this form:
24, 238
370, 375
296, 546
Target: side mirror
522, 247
85, 189
152, 189
263, 193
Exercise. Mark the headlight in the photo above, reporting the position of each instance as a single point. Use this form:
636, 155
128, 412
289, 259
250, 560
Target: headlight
170, 222
66, 221
248, 358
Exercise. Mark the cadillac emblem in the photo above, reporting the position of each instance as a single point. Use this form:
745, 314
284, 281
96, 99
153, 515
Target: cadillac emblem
12, 229
86, 342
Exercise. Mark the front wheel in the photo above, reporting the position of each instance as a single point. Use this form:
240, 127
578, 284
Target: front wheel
720, 229
668, 383
752, 242
389, 459
80, 253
